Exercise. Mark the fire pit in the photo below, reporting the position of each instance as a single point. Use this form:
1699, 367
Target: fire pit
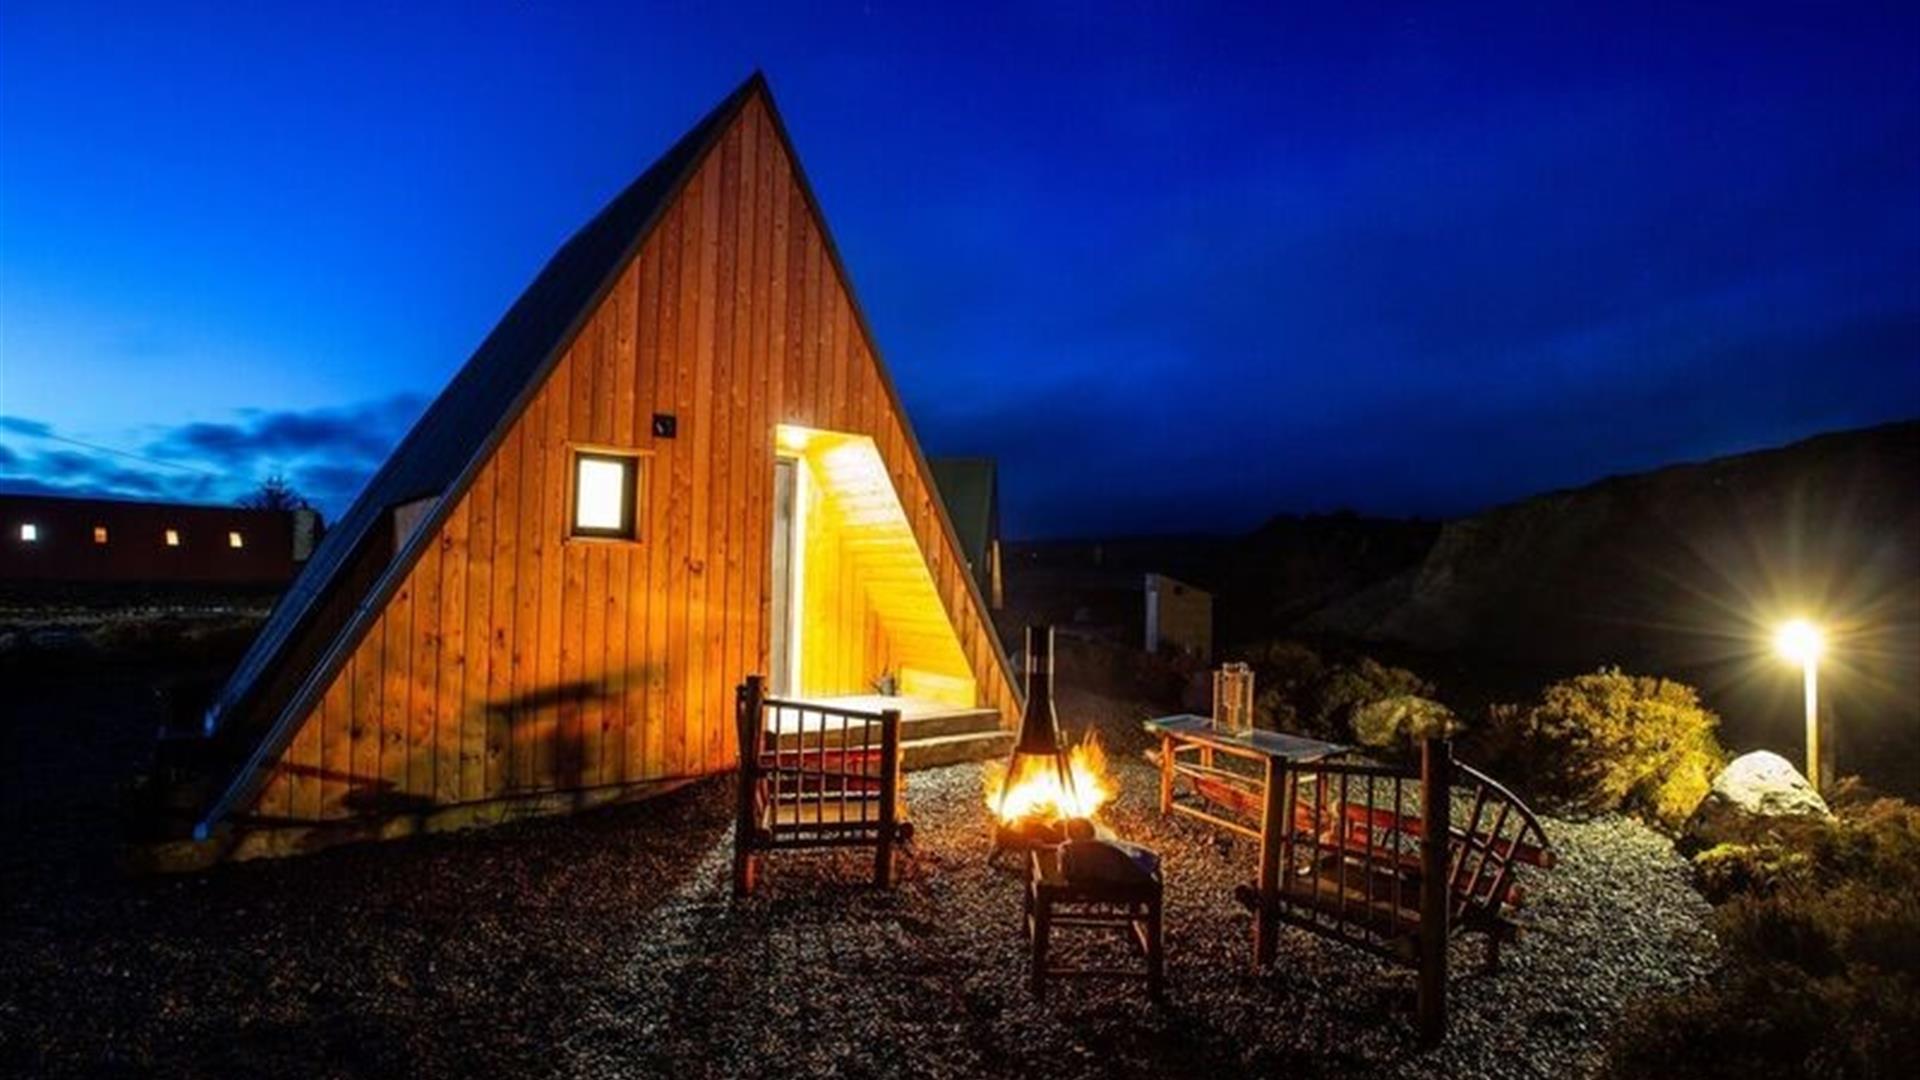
1046, 784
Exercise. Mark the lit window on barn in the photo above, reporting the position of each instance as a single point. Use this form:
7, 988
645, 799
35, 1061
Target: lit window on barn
173, 537
605, 488
29, 533
234, 541
99, 534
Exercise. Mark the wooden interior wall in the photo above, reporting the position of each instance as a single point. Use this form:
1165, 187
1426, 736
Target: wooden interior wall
869, 603
843, 644
513, 660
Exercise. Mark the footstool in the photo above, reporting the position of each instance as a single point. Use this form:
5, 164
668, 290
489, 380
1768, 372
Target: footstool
1127, 904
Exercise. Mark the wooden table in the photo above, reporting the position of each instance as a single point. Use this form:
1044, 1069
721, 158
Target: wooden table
1258, 792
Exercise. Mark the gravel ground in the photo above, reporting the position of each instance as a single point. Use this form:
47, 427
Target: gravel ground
606, 945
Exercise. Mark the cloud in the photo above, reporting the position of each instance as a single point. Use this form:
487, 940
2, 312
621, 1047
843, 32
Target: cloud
20, 425
361, 434
327, 453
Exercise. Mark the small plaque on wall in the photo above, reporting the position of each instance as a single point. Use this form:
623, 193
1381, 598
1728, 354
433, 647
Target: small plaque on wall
664, 425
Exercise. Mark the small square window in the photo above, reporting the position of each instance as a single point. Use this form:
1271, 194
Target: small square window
29, 533
605, 489
173, 537
99, 534
234, 541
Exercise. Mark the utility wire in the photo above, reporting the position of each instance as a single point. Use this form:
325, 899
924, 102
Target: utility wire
128, 454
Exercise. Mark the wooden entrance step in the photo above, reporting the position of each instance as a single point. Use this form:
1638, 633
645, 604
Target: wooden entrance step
938, 750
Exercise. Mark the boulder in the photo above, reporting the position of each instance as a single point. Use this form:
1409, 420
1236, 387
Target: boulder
1755, 794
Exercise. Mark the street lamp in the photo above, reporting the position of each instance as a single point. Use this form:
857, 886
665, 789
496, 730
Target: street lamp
1802, 642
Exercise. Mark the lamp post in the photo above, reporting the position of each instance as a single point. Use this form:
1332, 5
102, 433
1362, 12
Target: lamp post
1802, 642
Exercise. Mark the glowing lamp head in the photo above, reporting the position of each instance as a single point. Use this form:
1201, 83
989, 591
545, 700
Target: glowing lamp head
1799, 641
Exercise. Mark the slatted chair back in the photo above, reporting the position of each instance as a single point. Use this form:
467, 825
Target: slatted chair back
1494, 835
814, 775
1350, 855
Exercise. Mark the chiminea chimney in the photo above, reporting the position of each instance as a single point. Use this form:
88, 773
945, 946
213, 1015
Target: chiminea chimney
1039, 726
1039, 751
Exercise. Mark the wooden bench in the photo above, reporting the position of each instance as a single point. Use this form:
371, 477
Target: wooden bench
815, 776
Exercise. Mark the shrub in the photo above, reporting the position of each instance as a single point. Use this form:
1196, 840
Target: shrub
1729, 870
1393, 722
1346, 688
1776, 1020
1612, 741
1822, 932
1296, 690
1283, 673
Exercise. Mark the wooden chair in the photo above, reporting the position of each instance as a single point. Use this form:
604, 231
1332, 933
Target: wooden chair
815, 776
1381, 857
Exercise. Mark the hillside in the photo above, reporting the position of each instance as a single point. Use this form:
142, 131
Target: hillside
1681, 571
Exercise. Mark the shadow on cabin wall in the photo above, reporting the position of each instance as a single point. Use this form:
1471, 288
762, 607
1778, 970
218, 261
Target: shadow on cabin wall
520, 728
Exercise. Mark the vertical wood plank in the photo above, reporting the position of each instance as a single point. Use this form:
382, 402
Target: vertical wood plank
453, 655
532, 538
424, 684
621, 605
662, 337
683, 715
297, 776
549, 753
396, 689
336, 754
471, 706
496, 707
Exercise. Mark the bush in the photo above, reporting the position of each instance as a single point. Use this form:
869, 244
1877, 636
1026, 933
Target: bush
1776, 1020
1822, 934
1283, 674
1393, 722
1729, 870
1612, 741
1346, 688
1295, 689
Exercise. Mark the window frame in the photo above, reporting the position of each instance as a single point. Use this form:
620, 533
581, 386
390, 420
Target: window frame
633, 460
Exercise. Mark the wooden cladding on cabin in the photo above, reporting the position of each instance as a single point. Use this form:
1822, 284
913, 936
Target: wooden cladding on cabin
514, 660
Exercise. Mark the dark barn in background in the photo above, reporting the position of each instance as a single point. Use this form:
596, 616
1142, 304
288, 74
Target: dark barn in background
52, 540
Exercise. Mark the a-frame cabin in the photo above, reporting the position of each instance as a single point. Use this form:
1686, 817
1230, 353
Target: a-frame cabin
677, 460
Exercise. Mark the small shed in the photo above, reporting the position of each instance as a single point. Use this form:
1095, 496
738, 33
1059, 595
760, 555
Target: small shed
970, 487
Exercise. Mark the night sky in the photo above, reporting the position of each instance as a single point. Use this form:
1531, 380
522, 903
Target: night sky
1178, 269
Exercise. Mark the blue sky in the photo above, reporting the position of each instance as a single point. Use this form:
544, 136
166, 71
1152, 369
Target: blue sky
1178, 266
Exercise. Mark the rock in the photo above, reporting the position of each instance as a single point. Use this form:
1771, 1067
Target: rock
1757, 792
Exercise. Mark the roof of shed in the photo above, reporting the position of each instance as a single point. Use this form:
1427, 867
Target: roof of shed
969, 488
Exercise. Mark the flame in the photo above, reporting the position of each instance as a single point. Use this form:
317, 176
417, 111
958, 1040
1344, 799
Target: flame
1034, 791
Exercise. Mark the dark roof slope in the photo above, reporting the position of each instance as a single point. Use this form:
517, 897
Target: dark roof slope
454, 436
968, 487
